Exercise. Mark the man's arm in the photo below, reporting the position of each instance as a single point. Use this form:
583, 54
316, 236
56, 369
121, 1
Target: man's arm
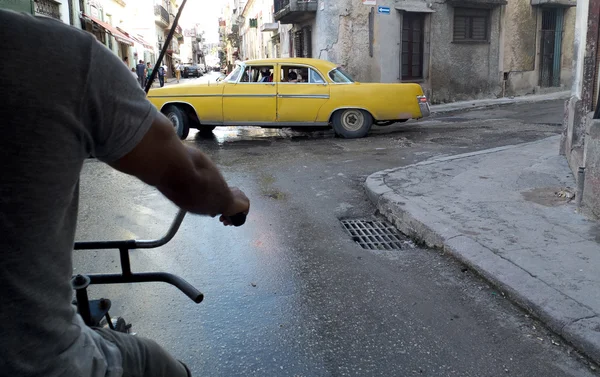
184, 175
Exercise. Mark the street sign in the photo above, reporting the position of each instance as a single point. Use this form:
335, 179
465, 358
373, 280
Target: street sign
369, 2
383, 10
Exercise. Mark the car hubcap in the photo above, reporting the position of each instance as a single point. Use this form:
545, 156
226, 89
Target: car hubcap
173, 118
353, 120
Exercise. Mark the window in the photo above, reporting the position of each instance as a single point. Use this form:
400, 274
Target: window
257, 74
315, 77
233, 76
471, 25
412, 45
338, 76
303, 43
294, 74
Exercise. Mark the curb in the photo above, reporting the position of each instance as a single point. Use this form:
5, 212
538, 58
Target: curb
486, 103
573, 321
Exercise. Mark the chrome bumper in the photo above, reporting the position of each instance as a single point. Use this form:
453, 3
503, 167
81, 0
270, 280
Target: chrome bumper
424, 106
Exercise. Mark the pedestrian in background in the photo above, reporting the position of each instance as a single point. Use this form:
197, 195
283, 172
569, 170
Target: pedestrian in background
141, 72
126, 61
148, 72
161, 76
178, 71
134, 73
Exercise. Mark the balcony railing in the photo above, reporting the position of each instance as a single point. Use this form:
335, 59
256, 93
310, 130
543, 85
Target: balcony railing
47, 8
280, 4
294, 11
162, 15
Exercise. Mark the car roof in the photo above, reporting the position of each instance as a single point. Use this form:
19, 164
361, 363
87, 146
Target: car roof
324, 65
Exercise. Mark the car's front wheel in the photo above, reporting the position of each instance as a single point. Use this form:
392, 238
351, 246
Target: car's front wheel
352, 123
179, 119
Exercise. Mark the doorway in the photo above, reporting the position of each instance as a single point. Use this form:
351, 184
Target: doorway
550, 46
411, 62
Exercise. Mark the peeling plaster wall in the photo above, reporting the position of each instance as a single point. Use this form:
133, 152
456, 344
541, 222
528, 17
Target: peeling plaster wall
580, 33
520, 47
341, 35
463, 71
566, 63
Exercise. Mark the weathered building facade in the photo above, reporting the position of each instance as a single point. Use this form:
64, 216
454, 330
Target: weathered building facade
538, 45
452, 49
581, 135
456, 49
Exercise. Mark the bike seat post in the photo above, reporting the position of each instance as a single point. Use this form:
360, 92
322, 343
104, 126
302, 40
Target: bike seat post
80, 284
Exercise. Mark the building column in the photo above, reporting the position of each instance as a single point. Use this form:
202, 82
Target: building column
580, 103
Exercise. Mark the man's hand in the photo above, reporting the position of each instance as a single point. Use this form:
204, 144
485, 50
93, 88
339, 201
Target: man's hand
183, 174
240, 205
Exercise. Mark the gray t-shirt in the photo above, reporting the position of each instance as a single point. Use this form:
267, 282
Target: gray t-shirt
63, 97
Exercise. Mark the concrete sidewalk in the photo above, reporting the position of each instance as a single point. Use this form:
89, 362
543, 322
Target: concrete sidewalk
483, 103
497, 211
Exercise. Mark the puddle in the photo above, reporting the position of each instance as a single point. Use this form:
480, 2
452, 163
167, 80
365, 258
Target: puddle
548, 196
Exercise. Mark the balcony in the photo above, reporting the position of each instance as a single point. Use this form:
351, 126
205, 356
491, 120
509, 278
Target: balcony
178, 34
173, 48
294, 11
161, 16
554, 3
271, 26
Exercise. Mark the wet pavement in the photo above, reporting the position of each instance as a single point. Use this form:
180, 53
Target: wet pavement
290, 293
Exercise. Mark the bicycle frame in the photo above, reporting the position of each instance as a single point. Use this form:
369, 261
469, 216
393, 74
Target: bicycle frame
93, 311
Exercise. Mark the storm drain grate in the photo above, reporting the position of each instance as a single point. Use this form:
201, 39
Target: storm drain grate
374, 234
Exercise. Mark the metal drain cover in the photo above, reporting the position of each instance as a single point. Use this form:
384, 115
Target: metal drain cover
372, 234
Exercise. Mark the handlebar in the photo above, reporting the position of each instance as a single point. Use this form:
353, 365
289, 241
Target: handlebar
135, 244
236, 220
127, 276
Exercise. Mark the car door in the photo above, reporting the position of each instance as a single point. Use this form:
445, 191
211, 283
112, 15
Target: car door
250, 100
299, 102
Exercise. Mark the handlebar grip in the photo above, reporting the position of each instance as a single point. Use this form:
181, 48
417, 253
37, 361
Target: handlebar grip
238, 219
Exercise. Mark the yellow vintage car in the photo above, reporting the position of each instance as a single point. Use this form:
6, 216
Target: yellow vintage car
295, 92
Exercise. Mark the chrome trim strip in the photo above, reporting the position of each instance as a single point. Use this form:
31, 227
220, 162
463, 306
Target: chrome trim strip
250, 95
277, 124
319, 96
186, 96
424, 106
272, 83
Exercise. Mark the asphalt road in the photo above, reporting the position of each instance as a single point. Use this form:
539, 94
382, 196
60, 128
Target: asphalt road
290, 293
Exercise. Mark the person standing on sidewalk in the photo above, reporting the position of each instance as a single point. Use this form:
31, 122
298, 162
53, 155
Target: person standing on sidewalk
148, 72
141, 72
178, 71
161, 76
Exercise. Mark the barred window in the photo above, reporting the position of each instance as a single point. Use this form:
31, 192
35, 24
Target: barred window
471, 25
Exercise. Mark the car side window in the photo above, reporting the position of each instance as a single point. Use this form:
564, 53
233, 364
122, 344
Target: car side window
315, 77
257, 74
233, 76
298, 74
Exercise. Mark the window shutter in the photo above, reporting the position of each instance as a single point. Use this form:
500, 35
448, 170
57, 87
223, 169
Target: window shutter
460, 28
298, 43
471, 24
479, 31
307, 42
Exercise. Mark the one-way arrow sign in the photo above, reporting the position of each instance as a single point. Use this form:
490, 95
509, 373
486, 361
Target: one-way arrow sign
383, 10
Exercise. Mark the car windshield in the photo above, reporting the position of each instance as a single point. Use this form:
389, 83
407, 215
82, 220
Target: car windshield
338, 75
234, 75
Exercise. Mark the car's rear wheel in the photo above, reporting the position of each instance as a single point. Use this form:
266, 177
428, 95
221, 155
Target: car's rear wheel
352, 123
179, 119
